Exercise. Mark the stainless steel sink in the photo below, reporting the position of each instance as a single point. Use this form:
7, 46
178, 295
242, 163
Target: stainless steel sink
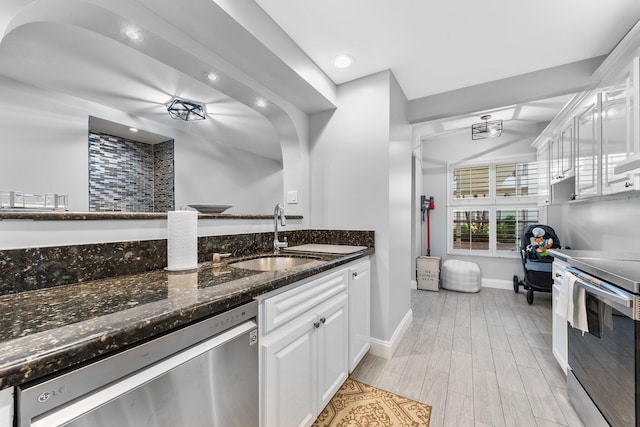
271, 263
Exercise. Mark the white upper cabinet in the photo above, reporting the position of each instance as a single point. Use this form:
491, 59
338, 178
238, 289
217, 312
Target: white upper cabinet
587, 153
561, 152
565, 150
595, 139
619, 141
542, 158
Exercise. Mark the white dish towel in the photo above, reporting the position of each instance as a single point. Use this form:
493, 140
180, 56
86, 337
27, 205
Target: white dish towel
562, 304
576, 303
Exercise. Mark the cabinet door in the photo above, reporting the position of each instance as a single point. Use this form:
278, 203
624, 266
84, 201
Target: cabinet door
554, 159
359, 313
6, 407
542, 159
587, 151
558, 321
289, 389
617, 133
565, 150
333, 347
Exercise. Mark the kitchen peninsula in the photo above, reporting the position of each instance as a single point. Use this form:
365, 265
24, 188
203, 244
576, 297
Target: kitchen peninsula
50, 326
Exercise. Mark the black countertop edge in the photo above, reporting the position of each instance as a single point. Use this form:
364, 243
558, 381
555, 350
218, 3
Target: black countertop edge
90, 343
76, 216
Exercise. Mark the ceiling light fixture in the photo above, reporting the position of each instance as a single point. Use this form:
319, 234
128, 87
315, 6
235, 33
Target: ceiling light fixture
343, 61
186, 110
133, 34
212, 76
133, 130
486, 129
261, 103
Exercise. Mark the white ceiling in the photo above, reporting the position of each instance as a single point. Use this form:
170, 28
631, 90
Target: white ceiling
438, 46
431, 47
534, 112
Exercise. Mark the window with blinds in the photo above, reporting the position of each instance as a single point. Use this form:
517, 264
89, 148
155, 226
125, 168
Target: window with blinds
490, 205
471, 182
471, 229
509, 226
516, 179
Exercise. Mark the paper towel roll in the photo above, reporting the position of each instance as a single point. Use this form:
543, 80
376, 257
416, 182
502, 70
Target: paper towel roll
182, 240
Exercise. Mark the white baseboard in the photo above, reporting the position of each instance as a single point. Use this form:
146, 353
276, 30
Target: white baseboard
497, 283
414, 284
386, 349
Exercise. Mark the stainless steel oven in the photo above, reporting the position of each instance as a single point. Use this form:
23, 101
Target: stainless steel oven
603, 375
203, 375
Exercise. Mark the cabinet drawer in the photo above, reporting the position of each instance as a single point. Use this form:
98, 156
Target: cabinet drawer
359, 270
557, 270
281, 308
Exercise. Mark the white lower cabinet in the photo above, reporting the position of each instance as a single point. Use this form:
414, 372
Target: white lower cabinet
333, 348
304, 360
359, 312
6, 407
290, 361
559, 322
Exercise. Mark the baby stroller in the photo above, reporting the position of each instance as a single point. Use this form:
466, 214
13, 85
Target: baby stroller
535, 260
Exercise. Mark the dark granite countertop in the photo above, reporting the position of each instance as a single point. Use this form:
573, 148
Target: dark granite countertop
49, 330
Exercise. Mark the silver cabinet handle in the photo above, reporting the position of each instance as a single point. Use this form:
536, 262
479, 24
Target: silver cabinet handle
558, 275
355, 274
628, 184
323, 320
316, 324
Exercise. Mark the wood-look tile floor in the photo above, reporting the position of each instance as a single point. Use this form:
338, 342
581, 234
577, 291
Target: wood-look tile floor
479, 360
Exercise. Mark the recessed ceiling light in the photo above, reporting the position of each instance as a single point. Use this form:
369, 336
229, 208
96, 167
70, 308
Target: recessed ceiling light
343, 61
133, 34
261, 103
212, 76
133, 130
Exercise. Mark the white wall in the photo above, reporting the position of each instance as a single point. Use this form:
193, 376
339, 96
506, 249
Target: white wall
44, 148
457, 147
360, 167
18, 234
604, 224
400, 197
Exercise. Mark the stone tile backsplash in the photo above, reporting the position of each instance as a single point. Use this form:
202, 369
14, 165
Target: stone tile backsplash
130, 176
37, 268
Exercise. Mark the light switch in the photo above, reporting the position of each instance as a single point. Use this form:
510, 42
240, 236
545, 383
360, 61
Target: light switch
292, 197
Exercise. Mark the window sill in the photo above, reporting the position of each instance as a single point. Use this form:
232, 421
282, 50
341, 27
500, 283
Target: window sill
486, 254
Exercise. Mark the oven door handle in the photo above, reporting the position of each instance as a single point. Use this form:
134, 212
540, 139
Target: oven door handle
605, 290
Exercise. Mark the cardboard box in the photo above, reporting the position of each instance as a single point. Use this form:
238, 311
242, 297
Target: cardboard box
428, 273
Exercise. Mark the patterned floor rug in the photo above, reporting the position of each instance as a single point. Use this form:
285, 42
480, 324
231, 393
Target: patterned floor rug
360, 405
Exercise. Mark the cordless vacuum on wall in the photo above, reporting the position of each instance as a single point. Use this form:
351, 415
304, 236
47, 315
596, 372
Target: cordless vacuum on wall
427, 205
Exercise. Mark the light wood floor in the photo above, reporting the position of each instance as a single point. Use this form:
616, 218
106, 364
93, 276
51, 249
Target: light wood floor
479, 360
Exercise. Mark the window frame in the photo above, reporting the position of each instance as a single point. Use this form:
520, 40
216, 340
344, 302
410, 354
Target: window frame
492, 204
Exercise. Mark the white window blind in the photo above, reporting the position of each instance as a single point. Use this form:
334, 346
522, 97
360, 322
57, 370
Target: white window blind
509, 226
490, 205
517, 179
471, 229
471, 182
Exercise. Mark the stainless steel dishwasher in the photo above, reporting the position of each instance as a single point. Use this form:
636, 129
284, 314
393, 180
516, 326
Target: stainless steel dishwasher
203, 375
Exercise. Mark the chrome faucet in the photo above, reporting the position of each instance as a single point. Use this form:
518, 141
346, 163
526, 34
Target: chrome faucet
278, 212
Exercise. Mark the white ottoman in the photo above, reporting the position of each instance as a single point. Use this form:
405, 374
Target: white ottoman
461, 276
